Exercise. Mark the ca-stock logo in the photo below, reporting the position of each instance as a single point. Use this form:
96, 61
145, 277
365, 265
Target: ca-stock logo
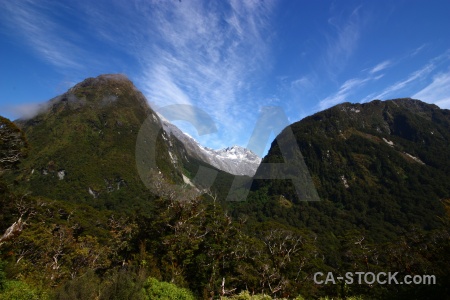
370, 278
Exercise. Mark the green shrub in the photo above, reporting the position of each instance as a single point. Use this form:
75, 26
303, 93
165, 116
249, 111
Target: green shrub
123, 285
156, 290
83, 287
18, 290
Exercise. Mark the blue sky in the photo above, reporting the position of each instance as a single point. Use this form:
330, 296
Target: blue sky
230, 58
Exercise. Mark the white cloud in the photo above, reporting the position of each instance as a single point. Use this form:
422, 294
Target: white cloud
381, 66
368, 98
417, 50
202, 53
303, 82
392, 91
25, 110
346, 89
44, 36
426, 70
343, 44
437, 92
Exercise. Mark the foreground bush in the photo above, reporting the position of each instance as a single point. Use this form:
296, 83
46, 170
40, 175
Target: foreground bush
157, 290
17, 290
118, 285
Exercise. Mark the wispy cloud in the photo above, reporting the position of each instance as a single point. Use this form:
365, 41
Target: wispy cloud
343, 43
353, 85
437, 92
427, 69
24, 111
205, 56
349, 87
381, 66
303, 82
419, 49
368, 98
44, 36
342, 39
413, 77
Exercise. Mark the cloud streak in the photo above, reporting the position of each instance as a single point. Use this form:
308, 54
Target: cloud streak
381, 66
205, 56
427, 69
414, 76
24, 111
44, 36
342, 45
437, 92
349, 87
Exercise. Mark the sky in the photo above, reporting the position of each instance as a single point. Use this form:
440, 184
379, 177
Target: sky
231, 59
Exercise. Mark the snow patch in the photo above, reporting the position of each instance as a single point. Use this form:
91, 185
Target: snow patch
93, 193
344, 180
416, 159
172, 158
187, 180
61, 174
390, 143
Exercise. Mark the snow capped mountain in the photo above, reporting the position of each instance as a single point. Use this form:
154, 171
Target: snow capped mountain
235, 160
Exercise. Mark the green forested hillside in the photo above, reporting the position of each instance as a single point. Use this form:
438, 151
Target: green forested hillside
82, 146
381, 170
382, 167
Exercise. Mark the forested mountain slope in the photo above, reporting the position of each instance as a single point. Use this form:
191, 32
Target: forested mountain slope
383, 167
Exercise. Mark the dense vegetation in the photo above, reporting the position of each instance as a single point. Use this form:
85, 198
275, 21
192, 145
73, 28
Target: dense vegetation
80, 224
371, 172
